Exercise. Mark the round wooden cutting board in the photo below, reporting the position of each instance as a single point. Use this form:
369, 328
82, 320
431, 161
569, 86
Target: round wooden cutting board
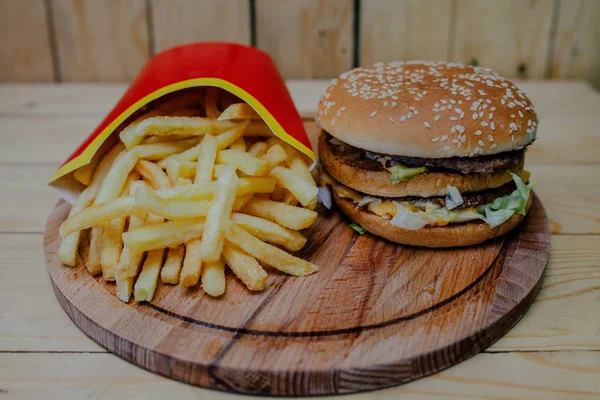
375, 315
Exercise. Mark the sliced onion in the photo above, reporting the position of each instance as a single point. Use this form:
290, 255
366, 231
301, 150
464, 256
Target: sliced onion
368, 200
467, 216
335, 142
408, 221
453, 198
324, 196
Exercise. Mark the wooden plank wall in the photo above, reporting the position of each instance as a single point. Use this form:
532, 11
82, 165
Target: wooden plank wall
90, 40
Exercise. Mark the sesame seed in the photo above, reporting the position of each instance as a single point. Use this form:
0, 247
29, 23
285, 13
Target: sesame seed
385, 103
437, 117
490, 138
520, 114
332, 121
483, 123
491, 115
481, 143
453, 119
409, 115
394, 104
460, 128
493, 126
455, 141
403, 118
412, 108
391, 120
512, 115
374, 113
435, 139
474, 116
427, 124
478, 132
446, 148
494, 146
444, 138
444, 101
463, 138
416, 112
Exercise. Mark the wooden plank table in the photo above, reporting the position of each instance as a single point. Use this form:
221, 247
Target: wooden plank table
553, 353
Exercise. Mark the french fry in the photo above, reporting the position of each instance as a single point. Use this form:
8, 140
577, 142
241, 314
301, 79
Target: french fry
181, 181
129, 261
207, 153
274, 156
290, 199
279, 194
258, 149
213, 278
269, 231
146, 283
148, 201
243, 161
192, 198
298, 165
224, 140
168, 234
210, 103
192, 264
269, 254
111, 187
114, 182
172, 268
112, 243
305, 192
173, 170
188, 155
255, 184
245, 267
240, 201
295, 218
258, 128
239, 144
155, 176
238, 111
67, 250
112, 246
218, 215
166, 126
97, 215
85, 173
93, 262
158, 151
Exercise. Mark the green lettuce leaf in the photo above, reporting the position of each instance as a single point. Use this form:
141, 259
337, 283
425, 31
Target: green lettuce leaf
403, 173
358, 228
502, 208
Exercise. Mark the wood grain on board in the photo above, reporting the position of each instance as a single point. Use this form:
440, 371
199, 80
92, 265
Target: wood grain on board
307, 38
393, 30
511, 37
375, 315
101, 41
24, 42
577, 43
178, 22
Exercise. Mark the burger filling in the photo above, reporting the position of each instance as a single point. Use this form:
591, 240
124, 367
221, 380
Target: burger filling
493, 206
402, 168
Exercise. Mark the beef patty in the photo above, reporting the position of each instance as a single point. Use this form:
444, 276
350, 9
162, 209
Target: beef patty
470, 200
464, 165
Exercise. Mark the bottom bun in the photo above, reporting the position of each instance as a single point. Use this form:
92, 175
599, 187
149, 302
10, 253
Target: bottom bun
452, 235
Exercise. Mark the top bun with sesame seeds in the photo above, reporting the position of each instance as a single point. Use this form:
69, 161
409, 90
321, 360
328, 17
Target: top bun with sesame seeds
428, 110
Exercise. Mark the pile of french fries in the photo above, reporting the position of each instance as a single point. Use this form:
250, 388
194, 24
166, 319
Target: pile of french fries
188, 190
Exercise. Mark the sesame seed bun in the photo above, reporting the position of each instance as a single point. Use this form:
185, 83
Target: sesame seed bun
451, 235
427, 109
377, 182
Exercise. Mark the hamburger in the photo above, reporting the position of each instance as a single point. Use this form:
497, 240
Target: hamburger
427, 153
